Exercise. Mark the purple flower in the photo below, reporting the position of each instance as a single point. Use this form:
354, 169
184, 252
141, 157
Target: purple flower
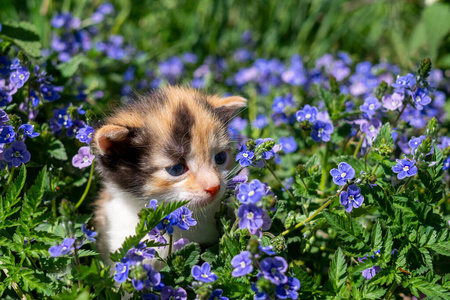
446, 164
150, 296
4, 65
421, 98
156, 235
251, 192
308, 113
236, 180
204, 273
405, 168
171, 69
289, 289
394, 101
179, 244
189, 58
370, 272
7, 134
84, 158
20, 76
89, 234
404, 82
140, 252
343, 173
351, 198
244, 157
3, 117
85, 134
28, 130
266, 250
242, 264
17, 153
169, 293
63, 249
122, 270
260, 122
106, 8
273, 269
370, 106
321, 131
152, 204
217, 295
288, 144
5, 97
185, 219
370, 128
250, 216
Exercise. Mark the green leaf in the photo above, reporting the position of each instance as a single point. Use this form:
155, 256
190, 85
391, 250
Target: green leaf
23, 35
149, 218
31, 282
56, 150
69, 68
12, 196
384, 137
337, 270
430, 289
377, 238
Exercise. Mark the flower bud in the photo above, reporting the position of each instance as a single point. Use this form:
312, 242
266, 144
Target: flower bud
301, 171
424, 69
279, 244
381, 90
432, 128
334, 85
253, 245
250, 145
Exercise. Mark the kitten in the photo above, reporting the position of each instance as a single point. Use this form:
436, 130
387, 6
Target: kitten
170, 145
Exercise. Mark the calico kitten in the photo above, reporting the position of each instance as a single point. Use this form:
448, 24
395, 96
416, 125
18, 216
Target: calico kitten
170, 145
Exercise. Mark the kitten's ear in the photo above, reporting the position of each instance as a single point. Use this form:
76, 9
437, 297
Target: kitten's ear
227, 107
109, 135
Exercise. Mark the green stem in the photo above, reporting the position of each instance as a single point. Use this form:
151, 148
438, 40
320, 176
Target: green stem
391, 290
170, 244
77, 262
359, 145
401, 112
442, 200
233, 228
403, 187
86, 190
331, 199
376, 167
324, 168
10, 178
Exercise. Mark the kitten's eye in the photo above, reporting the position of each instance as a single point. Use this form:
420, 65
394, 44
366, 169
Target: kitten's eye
220, 158
177, 170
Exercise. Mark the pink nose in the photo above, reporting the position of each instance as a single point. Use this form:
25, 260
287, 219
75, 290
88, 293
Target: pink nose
213, 190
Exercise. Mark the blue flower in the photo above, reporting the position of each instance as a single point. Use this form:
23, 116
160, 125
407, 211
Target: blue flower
405, 168
370, 272
251, 192
169, 293
167, 223
217, 295
289, 289
421, 98
28, 130
351, 198
140, 252
273, 269
288, 144
152, 204
63, 249
122, 270
4, 65
242, 264
244, 157
280, 104
89, 234
185, 219
152, 278
204, 273
156, 235
370, 106
4, 117
85, 134
260, 122
17, 153
50, 92
415, 142
171, 69
308, 113
7, 134
5, 97
446, 164
321, 131
266, 250
404, 82
20, 76
266, 154
343, 173
251, 217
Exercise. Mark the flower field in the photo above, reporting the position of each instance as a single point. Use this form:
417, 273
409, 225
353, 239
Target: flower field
340, 187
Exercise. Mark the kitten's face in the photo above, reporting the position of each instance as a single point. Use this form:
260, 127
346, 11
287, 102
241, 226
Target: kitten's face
171, 146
